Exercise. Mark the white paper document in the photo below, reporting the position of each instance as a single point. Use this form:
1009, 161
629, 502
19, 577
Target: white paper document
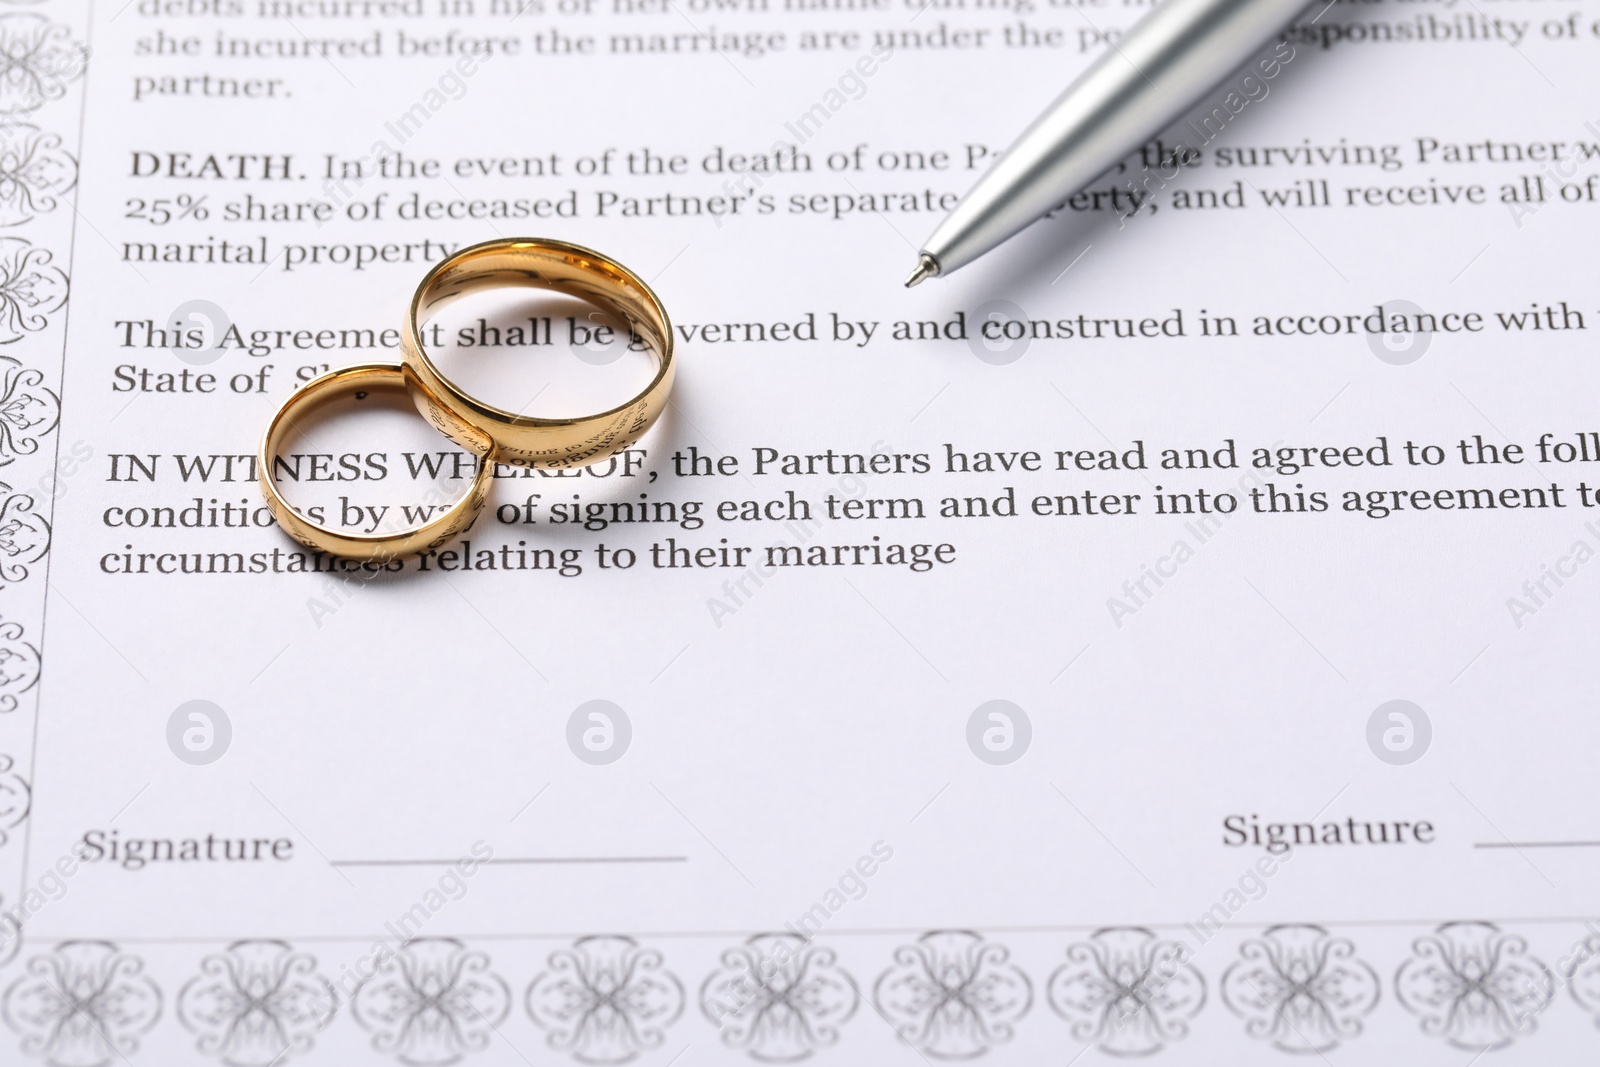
1169, 636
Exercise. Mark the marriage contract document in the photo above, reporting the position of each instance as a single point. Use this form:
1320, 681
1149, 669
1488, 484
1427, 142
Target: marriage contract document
1163, 638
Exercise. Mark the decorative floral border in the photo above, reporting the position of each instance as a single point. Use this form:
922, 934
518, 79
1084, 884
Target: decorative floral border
779, 998
44, 56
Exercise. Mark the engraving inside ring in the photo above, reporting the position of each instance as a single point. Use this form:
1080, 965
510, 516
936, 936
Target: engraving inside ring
538, 353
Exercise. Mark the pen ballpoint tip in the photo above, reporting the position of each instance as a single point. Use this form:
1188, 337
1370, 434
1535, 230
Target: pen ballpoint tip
927, 267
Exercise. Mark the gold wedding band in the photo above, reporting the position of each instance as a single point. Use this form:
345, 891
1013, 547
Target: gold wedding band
446, 523
523, 440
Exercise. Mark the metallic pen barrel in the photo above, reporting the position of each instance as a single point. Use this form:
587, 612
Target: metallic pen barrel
1140, 85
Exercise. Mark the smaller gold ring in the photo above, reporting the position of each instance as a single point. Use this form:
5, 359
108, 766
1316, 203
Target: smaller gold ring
455, 519
524, 440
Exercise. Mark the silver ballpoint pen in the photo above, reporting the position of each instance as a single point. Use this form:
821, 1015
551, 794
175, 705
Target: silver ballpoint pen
1143, 82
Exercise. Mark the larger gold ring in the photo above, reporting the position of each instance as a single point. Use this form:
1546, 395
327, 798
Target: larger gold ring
524, 440
446, 523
